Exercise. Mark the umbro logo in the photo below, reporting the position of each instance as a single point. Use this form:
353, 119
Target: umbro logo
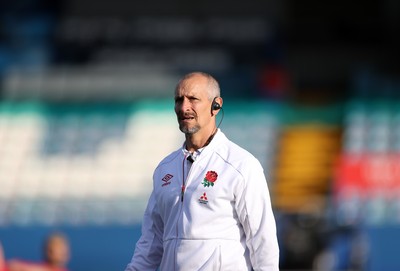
166, 179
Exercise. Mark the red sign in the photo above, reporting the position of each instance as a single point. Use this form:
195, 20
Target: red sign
367, 174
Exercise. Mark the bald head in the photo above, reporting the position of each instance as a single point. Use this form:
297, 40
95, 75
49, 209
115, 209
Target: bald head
212, 86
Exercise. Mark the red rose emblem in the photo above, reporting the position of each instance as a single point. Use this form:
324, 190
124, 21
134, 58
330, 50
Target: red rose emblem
210, 178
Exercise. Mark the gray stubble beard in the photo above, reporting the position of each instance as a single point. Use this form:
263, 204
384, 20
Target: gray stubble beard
189, 131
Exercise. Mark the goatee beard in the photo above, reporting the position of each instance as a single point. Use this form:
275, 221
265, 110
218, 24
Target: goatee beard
189, 130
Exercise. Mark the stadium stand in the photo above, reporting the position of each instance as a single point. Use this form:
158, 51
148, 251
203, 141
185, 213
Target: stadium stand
85, 156
79, 163
367, 171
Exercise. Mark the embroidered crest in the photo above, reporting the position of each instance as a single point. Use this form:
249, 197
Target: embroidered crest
203, 199
210, 179
166, 179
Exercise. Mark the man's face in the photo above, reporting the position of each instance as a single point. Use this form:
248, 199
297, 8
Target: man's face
57, 251
192, 105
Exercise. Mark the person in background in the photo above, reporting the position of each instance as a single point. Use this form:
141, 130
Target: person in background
210, 207
56, 254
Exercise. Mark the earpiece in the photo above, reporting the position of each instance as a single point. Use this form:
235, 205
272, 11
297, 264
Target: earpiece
215, 105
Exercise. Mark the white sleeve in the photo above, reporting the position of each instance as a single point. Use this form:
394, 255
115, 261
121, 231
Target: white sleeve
149, 248
255, 213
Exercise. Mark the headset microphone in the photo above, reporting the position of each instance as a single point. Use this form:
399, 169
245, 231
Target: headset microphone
215, 105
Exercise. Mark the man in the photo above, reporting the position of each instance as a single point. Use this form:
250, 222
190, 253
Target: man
55, 257
210, 207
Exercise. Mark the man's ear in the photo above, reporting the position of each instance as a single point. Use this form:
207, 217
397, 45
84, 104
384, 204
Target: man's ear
216, 105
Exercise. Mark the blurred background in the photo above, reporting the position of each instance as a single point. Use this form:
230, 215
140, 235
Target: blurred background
311, 88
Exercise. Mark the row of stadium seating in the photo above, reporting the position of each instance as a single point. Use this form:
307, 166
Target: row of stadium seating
79, 157
92, 164
372, 127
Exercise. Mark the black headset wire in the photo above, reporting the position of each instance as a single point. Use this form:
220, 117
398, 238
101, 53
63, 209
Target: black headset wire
222, 117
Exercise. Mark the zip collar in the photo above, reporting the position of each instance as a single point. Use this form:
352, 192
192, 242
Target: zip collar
208, 148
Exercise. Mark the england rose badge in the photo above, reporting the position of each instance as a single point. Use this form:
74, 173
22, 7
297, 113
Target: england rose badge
210, 179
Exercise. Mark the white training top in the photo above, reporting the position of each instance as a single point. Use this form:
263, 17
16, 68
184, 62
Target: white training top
218, 217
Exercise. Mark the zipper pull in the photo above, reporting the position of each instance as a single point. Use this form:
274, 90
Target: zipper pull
182, 192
